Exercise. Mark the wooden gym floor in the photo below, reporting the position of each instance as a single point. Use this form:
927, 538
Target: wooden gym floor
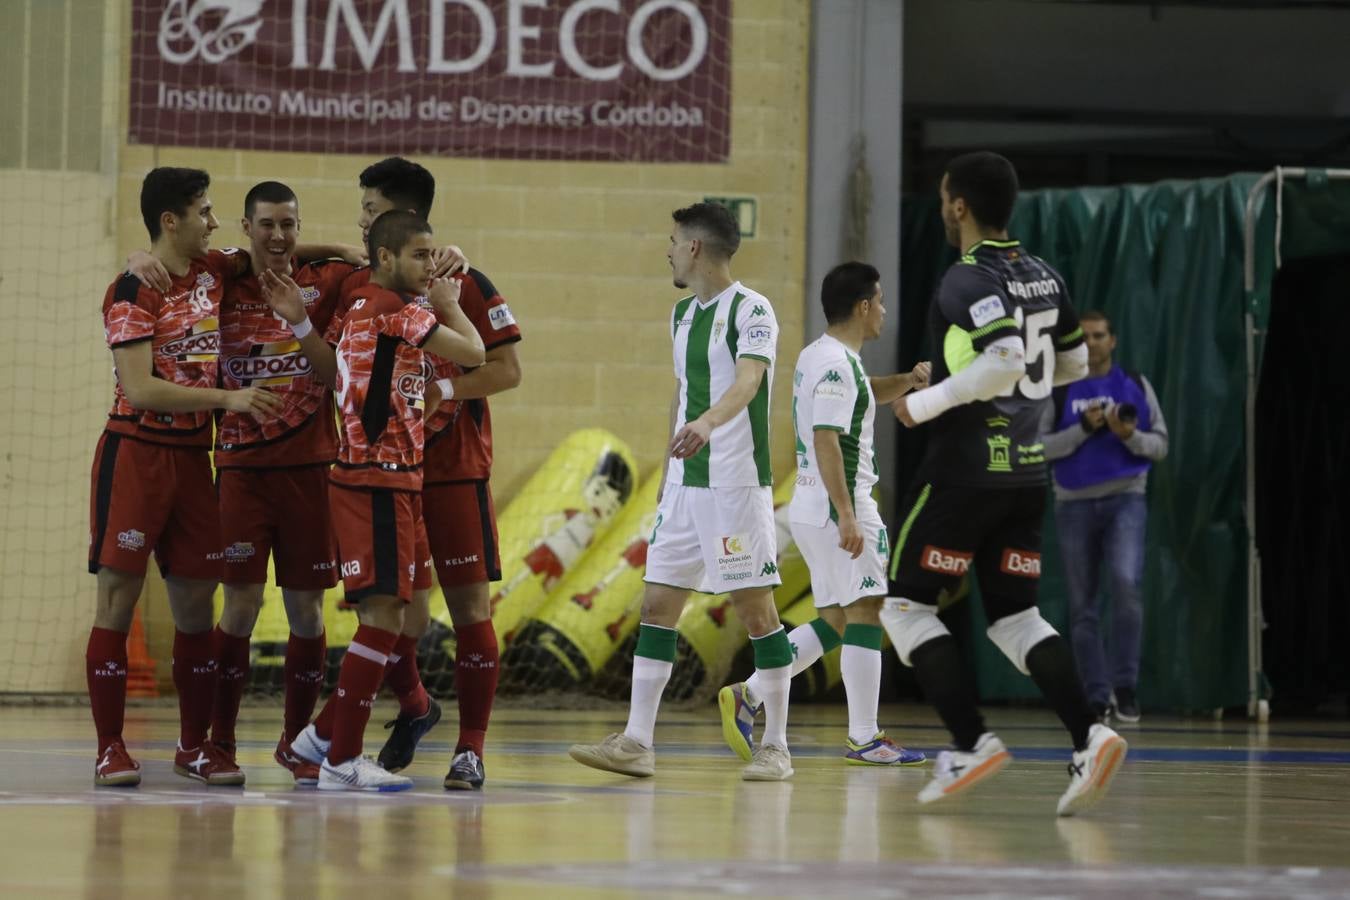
1201, 809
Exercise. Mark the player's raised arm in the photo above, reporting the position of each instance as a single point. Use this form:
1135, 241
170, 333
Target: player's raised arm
887, 388
282, 294
459, 341
352, 253
135, 372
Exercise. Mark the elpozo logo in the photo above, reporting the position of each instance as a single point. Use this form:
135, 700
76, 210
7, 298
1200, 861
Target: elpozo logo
215, 30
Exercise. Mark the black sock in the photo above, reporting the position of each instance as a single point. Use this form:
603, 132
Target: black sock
1052, 669
947, 683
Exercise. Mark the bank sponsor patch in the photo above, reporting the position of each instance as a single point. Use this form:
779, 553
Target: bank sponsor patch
944, 561
1020, 562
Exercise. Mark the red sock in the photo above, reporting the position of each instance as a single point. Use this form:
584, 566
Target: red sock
231, 652
304, 667
404, 680
323, 722
358, 684
476, 671
105, 668
194, 677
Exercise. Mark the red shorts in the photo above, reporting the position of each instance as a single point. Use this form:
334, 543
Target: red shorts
149, 497
283, 512
382, 544
462, 530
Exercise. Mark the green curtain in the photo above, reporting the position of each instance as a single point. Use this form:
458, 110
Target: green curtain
1165, 262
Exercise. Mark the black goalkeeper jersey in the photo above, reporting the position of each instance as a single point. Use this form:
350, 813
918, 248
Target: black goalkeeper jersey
997, 290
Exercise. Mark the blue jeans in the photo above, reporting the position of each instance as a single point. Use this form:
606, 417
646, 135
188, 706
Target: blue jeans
1105, 532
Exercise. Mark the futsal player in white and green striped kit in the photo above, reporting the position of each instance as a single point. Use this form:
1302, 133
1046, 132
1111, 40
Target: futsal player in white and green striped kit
834, 520
714, 529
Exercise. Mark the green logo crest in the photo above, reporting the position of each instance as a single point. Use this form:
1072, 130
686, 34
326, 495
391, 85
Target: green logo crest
869, 582
769, 569
999, 457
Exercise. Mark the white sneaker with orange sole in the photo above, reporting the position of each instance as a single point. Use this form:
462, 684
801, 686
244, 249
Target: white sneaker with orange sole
958, 770
1091, 770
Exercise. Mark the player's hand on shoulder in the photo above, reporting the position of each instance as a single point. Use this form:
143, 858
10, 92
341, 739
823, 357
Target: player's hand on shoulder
900, 406
352, 253
449, 260
444, 295
850, 535
258, 402
149, 270
282, 294
691, 438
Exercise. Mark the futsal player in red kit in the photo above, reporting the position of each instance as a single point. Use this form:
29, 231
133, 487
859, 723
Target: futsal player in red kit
151, 485
375, 488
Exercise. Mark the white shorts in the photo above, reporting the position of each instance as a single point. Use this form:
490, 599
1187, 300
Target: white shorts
714, 540
836, 578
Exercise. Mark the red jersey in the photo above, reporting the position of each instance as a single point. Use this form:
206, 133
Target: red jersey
182, 325
258, 348
459, 432
380, 390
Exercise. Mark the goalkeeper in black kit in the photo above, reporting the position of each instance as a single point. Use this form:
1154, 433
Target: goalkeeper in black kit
1004, 335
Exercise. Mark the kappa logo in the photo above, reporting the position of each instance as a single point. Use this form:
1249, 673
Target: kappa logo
833, 376
215, 30
131, 539
869, 582
943, 561
1020, 562
759, 311
769, 569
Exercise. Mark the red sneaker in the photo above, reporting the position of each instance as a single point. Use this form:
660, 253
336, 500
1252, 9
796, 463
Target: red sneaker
207, 764
116, 768
306, 773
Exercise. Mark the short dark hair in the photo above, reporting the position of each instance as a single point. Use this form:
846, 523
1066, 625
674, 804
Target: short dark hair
267, 192
403, 183
169, 189
1096, 315
717, 227
844, 286
988, 184
392, 230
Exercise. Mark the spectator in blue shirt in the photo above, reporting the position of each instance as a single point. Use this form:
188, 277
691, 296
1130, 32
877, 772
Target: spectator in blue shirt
1102, 435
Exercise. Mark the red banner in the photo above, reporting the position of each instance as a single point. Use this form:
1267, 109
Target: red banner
641, 80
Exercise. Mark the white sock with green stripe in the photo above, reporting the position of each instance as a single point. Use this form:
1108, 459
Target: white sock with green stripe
652, 663
773, 665
809, 643
860, 664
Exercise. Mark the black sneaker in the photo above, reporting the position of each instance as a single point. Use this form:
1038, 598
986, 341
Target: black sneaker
1127, 707
398, 750
466, 772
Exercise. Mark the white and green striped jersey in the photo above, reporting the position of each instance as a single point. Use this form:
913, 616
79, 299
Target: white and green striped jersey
830, 390
709, 338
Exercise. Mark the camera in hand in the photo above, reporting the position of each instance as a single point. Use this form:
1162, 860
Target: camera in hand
1127, 412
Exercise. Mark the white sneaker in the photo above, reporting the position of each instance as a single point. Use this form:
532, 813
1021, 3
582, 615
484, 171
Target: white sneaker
957, 770
310, 747
770, 763
360, 773
617, 753
1091, 770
